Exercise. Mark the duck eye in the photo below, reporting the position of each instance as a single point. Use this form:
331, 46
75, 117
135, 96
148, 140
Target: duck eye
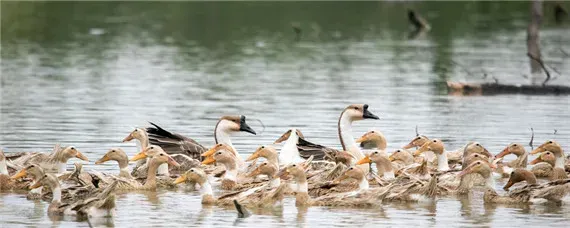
477, 144
514, 144
262, 147
192, 170
375, 152
372, 132
112, 150
478, 163
549, 141
294, 165
220, 152
434, 140
161, 154
350, 168
355, 108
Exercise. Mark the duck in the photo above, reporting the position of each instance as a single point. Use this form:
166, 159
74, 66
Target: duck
141, 136
100, 205
401, 158
544, 167
227, 159
118, 155
417, 142
151, 182
383, 164
504, 169
7, 183
552, 191
438, 148
175, 143
289, 152
184, 163
351, 113
483, 168
556, 149
55, 162
373, 140
262, 197
267, 152
35, 172
56, 207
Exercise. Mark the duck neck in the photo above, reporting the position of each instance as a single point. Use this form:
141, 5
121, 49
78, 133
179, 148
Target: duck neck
345, 135
3, 167
56, 194
530, 178
163, 170
274, 182
302, 185
143, 141
384, 167
151, 174
489, 181
560, 161
363, 184
231, 171
206, 189
289, 153
124, 170
442, 163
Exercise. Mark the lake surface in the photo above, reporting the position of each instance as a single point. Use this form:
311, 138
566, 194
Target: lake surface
85, 74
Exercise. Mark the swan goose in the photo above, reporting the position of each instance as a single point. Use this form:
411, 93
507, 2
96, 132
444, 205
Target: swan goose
354, 112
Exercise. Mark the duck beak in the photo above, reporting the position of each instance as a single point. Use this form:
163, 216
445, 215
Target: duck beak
508, 185
536, 161
255, 155
465, 172
180, 179
368, 115
255, 172
422, 149
102, 160
362, 139
173, 162
20, 174
208, 160
365, 160
36, 185
539, 149
503, 153
341, 178
210, 152
128, 138
283, 137
391, 157
139, 156
81, 156
283, 173
410, 145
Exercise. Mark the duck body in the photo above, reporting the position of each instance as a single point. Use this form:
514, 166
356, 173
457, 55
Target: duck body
55, 162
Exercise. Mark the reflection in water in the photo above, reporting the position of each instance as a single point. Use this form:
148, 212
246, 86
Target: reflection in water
98, 69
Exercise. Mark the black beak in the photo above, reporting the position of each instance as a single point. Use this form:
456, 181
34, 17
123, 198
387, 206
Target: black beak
244, 127
367, 114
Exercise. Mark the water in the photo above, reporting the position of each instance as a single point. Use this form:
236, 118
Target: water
86, 74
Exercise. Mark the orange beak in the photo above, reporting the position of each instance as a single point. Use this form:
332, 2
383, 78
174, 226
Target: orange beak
128, 138
102, 160
365, 160
20, 174
211, 151
255, 155
465, 172
36, 185
508, 185
503, 153
180, 179
209, 160
536, 160
422, 149
362, 139
539, 149
139, 156
81, 156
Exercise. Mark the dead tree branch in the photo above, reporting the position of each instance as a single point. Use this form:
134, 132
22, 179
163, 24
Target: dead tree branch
539, 61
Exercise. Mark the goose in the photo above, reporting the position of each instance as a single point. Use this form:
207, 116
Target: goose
289, 152
373, 140
544, 167
354, 112
55, 162
117, 154
177, 144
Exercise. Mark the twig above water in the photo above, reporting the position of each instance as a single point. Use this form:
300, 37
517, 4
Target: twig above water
531, 139
539, 61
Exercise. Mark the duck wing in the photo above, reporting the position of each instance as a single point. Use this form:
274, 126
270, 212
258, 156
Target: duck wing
308, 149
174, 143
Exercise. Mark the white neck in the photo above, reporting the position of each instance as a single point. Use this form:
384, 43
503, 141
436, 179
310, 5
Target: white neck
490, 182
56, 194
125, 172
61, 167
345, 125
139, 145
363, 185
163, 169
289, 153
275, 182
560, 162
206, 189
442, 163
389, 175
3, 167
231, 174
302, 187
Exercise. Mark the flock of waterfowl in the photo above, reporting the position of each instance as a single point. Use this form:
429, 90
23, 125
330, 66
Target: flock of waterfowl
361, 174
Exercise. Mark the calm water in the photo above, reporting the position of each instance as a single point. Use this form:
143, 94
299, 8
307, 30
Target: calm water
85, 74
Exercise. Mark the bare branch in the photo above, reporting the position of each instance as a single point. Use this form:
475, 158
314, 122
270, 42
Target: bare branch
555, 131
531, 139
417, 133
539, 61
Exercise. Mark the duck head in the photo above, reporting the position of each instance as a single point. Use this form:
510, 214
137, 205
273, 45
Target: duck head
551, 146
418, 141
356, 112
138, 134
224, 157
33, 170
353, 173
519, 175
481, 167
114, 154
372, 139
194, 175
402, 155
234, 124
265, 168
288, 133
216, 148
295, 170
48, 180
513, 148
267, 152
547, 157
475, 157
435, 145
71, 152
150, 151
476, 147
